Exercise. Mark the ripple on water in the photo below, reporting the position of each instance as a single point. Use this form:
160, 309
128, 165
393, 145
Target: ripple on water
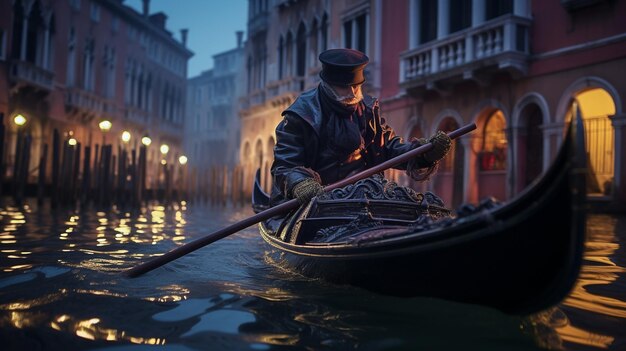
47, 271
222, 321
190, 308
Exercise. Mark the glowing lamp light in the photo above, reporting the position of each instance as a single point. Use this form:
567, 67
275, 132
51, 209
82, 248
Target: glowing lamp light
182, 160
164, 149
19, 120
126, 136
72, 141
163, 162
105, 125
146, 141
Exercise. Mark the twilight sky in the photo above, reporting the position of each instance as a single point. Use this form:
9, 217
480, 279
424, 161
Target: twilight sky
212, 25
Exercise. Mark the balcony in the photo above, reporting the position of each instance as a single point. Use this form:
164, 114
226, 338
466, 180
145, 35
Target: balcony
285, 4
475, 53
173, 130
27, 73
85, 103
289, 86
258, 23
276, 90
136, 115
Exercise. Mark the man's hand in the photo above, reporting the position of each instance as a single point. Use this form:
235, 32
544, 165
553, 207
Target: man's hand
441, 145
306, 190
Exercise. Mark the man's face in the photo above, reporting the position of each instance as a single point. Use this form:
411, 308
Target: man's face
350, 94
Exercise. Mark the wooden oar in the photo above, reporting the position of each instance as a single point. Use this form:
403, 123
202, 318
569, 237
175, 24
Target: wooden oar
282, 208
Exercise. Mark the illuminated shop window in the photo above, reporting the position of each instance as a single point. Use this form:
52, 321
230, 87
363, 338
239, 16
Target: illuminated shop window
493, 151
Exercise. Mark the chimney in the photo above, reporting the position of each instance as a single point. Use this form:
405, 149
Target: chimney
146, 8
239, 38
183, 36
158, 19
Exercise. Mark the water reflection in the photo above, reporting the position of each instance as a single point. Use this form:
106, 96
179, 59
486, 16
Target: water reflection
602, 275
91, 330
61, 281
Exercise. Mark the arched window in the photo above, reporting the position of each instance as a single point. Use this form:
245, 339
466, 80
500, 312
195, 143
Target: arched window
34, 34
314, 42
281, 58
301, 50
494, 143
249, 68
18, 26
289, 54
324, 32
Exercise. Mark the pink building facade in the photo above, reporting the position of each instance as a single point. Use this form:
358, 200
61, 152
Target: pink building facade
517, 69
70, 64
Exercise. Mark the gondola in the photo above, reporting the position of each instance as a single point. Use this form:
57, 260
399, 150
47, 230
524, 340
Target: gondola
520, 257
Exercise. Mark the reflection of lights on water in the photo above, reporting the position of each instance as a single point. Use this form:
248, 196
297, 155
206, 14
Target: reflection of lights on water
599, 270
91, 329
17, 267
559, 328
21, 320
583, 337
166, 298
62, 318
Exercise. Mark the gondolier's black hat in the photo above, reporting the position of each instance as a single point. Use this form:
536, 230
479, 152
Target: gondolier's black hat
343, 66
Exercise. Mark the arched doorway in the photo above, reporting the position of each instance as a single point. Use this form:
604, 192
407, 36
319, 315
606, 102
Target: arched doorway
259, 160
448, 184
246, 158
596, 105
415, 132
529, 146
267, 185
491, 146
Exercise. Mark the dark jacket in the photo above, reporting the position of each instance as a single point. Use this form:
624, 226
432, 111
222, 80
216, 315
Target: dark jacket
302, 150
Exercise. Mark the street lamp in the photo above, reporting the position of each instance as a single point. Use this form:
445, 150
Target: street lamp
182, 160
105, 125
146, 140
164, 149
19, 120
72, 141
126, 136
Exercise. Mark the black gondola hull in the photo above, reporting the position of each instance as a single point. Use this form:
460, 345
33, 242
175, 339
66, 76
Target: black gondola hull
520, 258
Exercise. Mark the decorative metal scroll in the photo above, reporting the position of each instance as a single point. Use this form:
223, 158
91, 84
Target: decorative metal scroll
379, 188
362, 222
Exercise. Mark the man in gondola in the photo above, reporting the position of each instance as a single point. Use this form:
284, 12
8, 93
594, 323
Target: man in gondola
334, 131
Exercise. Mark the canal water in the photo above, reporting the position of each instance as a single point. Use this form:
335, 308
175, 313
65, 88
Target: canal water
61, 288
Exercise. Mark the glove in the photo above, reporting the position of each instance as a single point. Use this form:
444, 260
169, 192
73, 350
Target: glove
441, 145
306, 190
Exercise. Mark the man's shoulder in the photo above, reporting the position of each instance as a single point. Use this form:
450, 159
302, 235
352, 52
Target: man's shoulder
306, 107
